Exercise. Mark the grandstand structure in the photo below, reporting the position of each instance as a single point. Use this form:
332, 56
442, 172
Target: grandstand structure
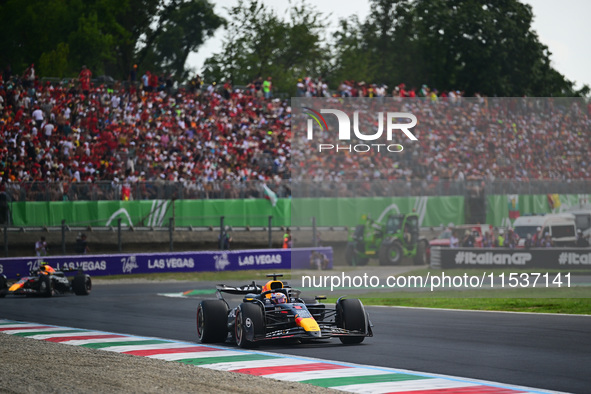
118, 158
120, 143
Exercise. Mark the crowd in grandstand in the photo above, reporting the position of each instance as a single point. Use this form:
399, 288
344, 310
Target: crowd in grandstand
79, 133
84, 131
459, 138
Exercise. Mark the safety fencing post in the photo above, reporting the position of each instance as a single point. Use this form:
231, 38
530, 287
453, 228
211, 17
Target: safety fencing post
119, 245
5, 239
270, 232
314, 239
171, 233
63, 236
221, 237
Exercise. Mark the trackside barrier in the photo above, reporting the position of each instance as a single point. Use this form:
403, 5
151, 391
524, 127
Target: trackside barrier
144, 263
561, 258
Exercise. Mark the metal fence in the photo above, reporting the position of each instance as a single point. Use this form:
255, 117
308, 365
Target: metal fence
163, 190
537, 187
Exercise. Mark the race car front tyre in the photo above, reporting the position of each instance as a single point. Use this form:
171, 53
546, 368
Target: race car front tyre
351, 316
212, 321
82, 284
250, 323
45, 286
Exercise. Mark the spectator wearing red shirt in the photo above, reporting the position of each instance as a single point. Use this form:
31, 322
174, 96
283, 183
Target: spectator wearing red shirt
153, 82
29, 77
84, 78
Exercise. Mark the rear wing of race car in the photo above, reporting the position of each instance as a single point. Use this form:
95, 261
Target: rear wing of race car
253, 288
77, 270
65, 270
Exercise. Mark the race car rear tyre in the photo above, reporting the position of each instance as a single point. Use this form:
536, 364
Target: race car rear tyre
82, 284
421, 256
390, 254
3, 286
212, 321
45, 286
249, 316
352, 257
351, 316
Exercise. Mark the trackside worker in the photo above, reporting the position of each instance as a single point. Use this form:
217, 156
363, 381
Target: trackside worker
501, 239
287, 239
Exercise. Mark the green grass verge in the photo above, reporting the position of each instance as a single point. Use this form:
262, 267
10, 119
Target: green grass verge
538, 305
495, 271
574, 300
220, 277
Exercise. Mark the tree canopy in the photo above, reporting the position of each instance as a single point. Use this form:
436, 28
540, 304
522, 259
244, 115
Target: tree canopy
259, 43
108, 36
478, 46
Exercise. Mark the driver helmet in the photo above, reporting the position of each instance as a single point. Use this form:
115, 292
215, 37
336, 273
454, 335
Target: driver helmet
44, 266
278, 298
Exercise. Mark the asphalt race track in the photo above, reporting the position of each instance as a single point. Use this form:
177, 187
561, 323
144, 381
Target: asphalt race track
550, 352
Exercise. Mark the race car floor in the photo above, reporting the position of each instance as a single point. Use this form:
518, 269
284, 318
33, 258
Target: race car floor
336, 375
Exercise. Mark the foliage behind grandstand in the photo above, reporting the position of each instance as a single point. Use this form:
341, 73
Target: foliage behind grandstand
471, 46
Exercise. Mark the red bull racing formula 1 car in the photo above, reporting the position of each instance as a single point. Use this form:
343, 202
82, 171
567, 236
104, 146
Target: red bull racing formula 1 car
276, 311
46, 282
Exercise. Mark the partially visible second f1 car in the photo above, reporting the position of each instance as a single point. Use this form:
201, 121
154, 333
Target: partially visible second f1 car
46, 282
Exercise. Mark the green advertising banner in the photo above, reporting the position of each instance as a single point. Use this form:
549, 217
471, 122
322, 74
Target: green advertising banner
237, 213
498, 211
151, 213
432, 211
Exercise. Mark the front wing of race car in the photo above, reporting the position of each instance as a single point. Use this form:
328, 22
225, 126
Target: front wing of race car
324, 317
20, 287
325, 333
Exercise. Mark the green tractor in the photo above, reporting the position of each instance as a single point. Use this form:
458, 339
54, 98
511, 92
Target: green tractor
388, 242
